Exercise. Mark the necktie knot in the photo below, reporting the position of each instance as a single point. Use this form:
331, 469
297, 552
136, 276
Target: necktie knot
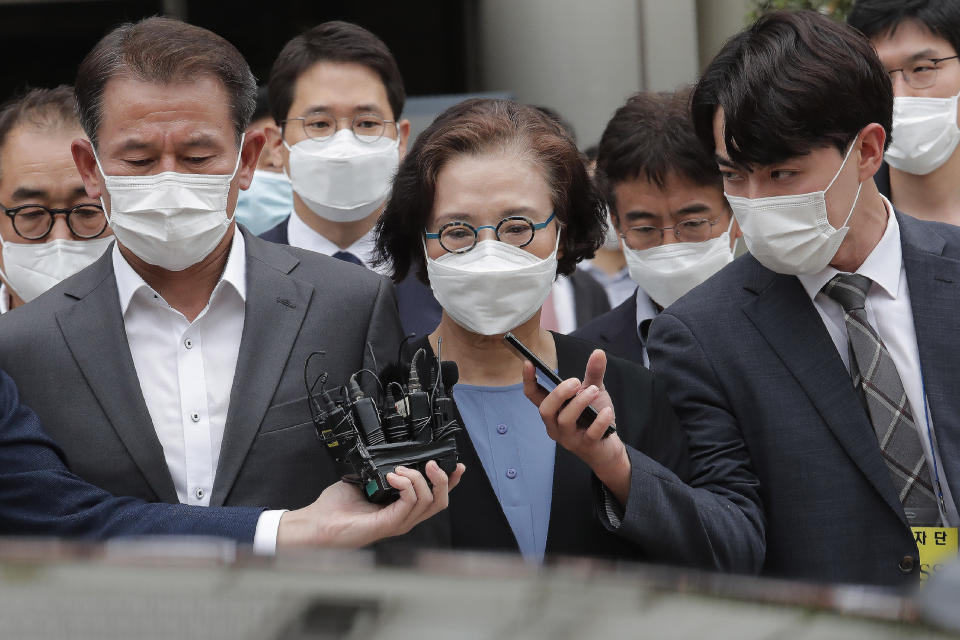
346, 256
849, 290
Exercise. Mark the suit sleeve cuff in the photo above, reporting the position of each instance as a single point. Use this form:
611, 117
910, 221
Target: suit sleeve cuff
265, 536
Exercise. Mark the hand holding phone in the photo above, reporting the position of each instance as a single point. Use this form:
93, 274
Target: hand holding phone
548, 375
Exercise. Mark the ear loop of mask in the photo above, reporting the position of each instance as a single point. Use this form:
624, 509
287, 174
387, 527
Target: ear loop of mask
856, 198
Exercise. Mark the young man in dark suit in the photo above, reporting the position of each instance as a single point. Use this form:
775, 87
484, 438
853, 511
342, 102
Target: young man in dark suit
666, 203
823, 365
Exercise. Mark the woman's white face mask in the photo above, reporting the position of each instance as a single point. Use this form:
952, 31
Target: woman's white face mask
494, 287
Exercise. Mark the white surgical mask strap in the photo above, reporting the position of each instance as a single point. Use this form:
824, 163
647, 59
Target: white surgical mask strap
844, 163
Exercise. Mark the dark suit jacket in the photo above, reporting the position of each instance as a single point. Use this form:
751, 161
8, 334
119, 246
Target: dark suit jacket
419, 310
645, 422
589, 298
772, 414
616, 331
67, 351
39, 496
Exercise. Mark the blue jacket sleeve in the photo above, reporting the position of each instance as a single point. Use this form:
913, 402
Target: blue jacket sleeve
39, 495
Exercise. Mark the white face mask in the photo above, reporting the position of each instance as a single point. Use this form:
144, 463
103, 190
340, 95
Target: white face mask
170, 220
669, 271
267, 202
494, 287
925, 134
792, 234
31, 269
343, 179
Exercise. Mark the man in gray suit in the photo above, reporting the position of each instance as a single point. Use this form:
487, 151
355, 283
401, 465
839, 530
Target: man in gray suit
172, 369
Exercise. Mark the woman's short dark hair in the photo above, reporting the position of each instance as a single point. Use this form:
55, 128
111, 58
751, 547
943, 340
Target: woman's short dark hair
652, 137
882, 17
163, 50
472, 128
793, 82
334, 41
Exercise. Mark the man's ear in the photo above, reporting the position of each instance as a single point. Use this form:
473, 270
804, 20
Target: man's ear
274, 153
403, 132
249, 157
86, 162
872, 139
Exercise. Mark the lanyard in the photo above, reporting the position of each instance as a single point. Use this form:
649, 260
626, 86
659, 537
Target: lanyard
933, 450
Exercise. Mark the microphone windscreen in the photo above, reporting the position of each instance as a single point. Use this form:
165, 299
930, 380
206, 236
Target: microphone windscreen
449, 374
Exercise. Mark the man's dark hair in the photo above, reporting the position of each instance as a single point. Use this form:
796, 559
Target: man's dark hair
652, 137
263, 105
48, 110
475, 127
335, 41
792, 82
163, 50
882, 17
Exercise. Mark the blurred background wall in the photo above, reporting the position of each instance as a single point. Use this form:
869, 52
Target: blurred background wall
580, 57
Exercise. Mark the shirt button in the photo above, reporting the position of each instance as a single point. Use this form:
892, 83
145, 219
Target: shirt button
195, 416
511, 473
188, 343
198, 493
906, 564
501, 429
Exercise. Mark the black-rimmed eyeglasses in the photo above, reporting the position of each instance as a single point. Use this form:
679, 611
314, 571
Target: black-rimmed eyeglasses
34, 221
460, 237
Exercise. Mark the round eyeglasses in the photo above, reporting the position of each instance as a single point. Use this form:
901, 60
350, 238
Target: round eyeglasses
921, 74
460, 237
34, 221
366, 127
693, 230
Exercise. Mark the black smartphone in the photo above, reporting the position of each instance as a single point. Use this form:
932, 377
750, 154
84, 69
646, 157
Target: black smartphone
520, 350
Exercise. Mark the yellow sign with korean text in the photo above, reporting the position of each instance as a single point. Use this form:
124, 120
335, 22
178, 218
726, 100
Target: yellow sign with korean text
937, 546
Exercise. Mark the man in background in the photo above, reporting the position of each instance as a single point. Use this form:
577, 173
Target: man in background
51, 228
917, 42
667, 206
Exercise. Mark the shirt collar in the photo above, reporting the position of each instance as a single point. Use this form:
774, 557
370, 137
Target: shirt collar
302, 236
129, 281
882, 266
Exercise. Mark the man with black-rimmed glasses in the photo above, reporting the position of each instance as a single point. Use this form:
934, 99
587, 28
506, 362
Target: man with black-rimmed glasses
917, 42
50, 227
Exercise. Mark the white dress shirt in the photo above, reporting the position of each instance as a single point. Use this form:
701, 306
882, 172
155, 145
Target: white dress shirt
186, 374
303, 237
4, 298
889, 311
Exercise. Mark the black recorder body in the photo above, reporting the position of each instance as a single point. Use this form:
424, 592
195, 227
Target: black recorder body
404, 423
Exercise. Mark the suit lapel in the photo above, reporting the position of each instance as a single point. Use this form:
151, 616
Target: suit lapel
275, 308
787, 319
934, 283
94, 332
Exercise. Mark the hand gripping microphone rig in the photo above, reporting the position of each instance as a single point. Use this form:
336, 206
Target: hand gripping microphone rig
405, 425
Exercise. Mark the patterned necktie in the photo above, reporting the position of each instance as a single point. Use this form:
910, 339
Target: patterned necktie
346, 256
875, 376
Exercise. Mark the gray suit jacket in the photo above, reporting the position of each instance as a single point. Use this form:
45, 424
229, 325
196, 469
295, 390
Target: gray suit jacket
773, 418
67, 350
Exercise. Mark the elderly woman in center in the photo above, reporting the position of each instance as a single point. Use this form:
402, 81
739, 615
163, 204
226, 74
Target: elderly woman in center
490, 206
